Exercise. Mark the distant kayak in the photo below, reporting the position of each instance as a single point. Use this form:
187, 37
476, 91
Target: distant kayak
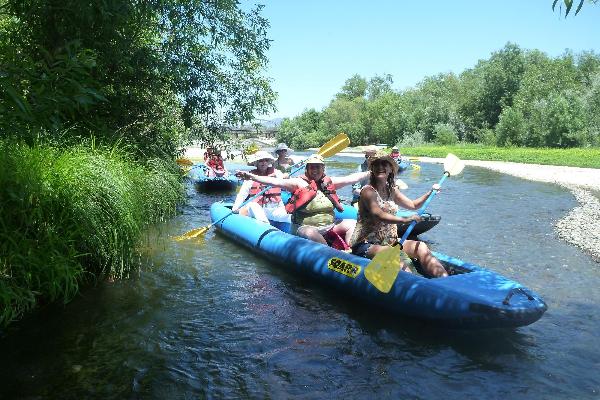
471, 297
207, 180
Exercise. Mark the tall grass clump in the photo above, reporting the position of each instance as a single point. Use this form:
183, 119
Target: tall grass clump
70, 215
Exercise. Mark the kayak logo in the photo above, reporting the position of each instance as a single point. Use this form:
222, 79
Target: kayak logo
343, 267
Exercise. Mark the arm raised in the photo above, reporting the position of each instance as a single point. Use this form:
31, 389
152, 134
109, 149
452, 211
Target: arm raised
289, 184
403, 201
368, 201
341, 181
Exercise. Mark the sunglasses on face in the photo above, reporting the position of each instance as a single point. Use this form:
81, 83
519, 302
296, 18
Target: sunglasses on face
380, 163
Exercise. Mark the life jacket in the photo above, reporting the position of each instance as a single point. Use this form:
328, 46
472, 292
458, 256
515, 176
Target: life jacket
273, 195
301, 197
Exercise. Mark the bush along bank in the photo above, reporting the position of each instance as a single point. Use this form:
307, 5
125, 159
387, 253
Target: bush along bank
68, 216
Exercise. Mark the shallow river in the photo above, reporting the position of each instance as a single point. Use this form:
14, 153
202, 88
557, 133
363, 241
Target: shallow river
209, 319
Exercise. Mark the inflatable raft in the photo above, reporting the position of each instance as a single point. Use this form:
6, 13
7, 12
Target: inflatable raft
206, 183
471, 297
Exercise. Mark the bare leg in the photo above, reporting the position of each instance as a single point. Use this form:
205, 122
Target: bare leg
256, 211
431, 265
345, 228
311, 233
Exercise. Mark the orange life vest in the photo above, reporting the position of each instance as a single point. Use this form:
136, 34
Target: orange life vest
301, 197
273, 195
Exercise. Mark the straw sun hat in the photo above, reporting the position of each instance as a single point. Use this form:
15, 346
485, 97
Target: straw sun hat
380, 155
315, 159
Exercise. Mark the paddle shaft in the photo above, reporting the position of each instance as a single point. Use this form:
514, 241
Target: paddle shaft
422, 209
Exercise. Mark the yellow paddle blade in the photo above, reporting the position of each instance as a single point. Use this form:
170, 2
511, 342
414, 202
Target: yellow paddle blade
193, 233
415, 167
184, 162
453, 165
334, 146
384, 268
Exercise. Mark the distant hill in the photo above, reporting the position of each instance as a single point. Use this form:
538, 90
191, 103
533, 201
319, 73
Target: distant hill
272, 123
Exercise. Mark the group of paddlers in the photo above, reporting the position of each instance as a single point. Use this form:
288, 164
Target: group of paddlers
311, 207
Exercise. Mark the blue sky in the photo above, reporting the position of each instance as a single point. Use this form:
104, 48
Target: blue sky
318, 44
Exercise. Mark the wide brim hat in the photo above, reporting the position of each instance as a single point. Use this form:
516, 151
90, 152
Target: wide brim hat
315, 159
260, 155
380, 155
283, 146
370, 149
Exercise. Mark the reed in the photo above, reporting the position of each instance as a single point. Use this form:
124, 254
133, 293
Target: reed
71, 215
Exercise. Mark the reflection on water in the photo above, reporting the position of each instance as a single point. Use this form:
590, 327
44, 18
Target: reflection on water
208, 319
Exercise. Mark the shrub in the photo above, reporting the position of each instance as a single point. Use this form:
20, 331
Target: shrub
445, 134
511, 127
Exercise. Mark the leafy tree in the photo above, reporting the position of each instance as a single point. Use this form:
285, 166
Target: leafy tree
349, 116
445, 135
389, 119
355, 86
378, 86
592, 104
511, 127
557, 121
568, 5
142, 73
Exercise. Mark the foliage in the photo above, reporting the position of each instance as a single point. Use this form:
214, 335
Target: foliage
515, 98
445, 134
145, 74
511, 128
413, 139
68, 215
568, 4
354, 87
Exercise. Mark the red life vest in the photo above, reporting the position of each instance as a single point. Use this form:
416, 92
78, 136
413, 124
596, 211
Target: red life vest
301, 197
273, 195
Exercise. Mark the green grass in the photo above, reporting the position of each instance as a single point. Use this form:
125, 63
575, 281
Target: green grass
68, 216
579, 157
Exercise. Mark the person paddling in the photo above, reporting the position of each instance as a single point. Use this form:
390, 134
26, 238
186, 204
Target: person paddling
376, 229
368, 151
314, 200
214, 162
268, 207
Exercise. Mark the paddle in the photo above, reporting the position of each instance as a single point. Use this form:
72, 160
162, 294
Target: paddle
385, 266
332, 147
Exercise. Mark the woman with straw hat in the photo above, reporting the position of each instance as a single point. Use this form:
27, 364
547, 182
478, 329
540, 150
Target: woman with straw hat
313, 200
268, 207
376, 228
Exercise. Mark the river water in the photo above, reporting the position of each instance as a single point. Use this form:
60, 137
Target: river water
208, 319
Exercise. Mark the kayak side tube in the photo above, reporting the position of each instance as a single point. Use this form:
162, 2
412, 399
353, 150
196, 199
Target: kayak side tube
473, 297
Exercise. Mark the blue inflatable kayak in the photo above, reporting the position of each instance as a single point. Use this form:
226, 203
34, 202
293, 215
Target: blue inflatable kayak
471, 297
212, 183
